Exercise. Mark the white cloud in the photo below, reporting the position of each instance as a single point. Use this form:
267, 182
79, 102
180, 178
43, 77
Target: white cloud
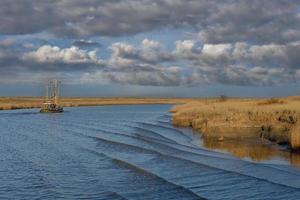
185, 48
270, 51
149, 51
151, 63
151, 45
216, 50
54, 54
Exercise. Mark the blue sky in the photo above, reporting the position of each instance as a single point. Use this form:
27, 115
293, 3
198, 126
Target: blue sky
173, 48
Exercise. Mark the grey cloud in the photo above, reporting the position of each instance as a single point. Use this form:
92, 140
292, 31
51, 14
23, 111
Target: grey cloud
235, 64
7, 42
241, 75
113, 18
25, 17
86, 44
158, 76
150, 51
256, 21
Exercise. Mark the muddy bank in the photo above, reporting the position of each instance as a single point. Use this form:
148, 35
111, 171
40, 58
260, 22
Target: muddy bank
276, 121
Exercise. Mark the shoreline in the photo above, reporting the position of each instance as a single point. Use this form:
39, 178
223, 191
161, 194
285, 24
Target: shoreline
275, 120
16, 103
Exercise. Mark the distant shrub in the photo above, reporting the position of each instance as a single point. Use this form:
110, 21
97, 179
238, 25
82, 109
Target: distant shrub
271, 101
223, 98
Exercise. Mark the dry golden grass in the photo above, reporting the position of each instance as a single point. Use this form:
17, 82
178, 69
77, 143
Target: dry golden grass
195, 106
274, 119
271, 101
36, 102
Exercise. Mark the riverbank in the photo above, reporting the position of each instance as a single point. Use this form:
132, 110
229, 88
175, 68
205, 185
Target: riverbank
276, 120
13, 103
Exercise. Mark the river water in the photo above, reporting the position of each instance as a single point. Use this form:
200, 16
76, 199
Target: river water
132, 152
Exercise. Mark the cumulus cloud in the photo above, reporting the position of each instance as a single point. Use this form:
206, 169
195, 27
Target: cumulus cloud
151, 63
150, 52
53, 54
236, 64
46, 62
186, 49
215, 51
237, 42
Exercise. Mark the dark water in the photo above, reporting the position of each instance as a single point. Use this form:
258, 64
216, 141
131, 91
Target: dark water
129, 152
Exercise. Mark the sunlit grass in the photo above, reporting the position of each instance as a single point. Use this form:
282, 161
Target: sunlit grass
274, 119
36, 102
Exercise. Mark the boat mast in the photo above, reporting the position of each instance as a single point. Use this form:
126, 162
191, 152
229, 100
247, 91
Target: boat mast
47, 93
52, 98
56, 91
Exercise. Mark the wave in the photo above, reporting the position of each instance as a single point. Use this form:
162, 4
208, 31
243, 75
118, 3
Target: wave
177, 190
152, 133
174, 130
171, 149
228, 178
135, 149
248, 169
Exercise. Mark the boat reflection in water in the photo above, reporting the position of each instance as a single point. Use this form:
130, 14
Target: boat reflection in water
255, 150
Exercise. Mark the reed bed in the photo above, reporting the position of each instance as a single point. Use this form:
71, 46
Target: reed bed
274, 119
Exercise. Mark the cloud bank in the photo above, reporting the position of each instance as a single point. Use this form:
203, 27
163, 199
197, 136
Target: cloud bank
259, 21
150, 63
237, 42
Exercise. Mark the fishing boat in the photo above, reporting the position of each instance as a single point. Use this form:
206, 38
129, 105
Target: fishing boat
51, 104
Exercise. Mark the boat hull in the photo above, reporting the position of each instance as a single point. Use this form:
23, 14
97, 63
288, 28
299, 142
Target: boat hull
57, 110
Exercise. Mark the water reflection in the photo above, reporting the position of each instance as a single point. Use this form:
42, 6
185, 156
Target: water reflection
256, 150
295, 159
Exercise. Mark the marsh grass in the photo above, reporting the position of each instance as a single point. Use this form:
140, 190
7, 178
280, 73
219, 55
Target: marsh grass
12, 103
243, 117
271, 102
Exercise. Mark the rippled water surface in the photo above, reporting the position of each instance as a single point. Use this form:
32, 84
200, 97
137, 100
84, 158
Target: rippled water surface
128, 152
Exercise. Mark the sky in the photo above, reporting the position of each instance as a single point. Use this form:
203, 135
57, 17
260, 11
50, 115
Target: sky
155, 48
